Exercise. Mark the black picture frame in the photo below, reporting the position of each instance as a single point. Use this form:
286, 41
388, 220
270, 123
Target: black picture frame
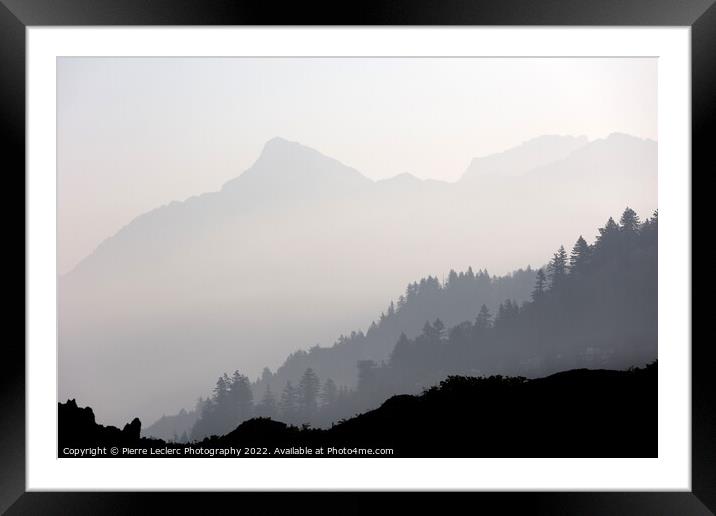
16, 15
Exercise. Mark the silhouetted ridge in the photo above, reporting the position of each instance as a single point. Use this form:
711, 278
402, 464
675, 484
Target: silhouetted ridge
78, 428
579, 413
595, 307
290, 256
454, 300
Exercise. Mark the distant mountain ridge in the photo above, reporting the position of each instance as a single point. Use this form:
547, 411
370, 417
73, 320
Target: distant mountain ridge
320, 169
301, 248
527, 156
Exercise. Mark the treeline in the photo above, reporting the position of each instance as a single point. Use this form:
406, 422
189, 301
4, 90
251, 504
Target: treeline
310, 401
595, 306
455, 299
578, 413
289, 394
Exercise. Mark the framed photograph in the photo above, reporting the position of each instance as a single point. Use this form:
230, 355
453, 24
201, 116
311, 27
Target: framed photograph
419, 248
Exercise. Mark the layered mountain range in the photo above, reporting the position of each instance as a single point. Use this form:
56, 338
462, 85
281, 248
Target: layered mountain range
301, 248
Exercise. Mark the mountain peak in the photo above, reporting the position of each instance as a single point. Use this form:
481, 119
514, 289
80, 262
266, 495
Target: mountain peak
281, 148
285, 162
277, 143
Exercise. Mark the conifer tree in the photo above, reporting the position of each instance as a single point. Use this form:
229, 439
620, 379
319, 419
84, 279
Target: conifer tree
484, 318
579, 257
268, 406
607, 234
629, 221
329, 393
308, 390
557, 268
401, 350
540, 285
439, 328
288, 403
240, 398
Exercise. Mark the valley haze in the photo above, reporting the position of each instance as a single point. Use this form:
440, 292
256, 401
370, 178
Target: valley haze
301, 248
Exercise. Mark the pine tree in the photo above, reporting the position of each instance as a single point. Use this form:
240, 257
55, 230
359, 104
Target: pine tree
452, 278
580, 255
401, 350
484, 318
511, 309
649, 229
540, 285
401, 302
268, 406
329, 393
241, 397
308, 390
630, 226
607, 242
288, 403
221, 390
607, 234
630, 221
557, 268
501, 315
439, 328
506, 313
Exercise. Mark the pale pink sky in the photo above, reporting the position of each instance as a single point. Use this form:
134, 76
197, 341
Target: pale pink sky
137, 133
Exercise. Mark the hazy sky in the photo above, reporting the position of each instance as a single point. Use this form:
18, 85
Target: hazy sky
137, 133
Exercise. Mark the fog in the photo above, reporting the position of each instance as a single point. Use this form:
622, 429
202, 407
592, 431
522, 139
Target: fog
218, 214
301, 248
137, 133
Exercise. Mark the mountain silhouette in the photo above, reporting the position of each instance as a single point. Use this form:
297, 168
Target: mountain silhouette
578, 413
293, 170
300, 249
595, 306
519, 160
